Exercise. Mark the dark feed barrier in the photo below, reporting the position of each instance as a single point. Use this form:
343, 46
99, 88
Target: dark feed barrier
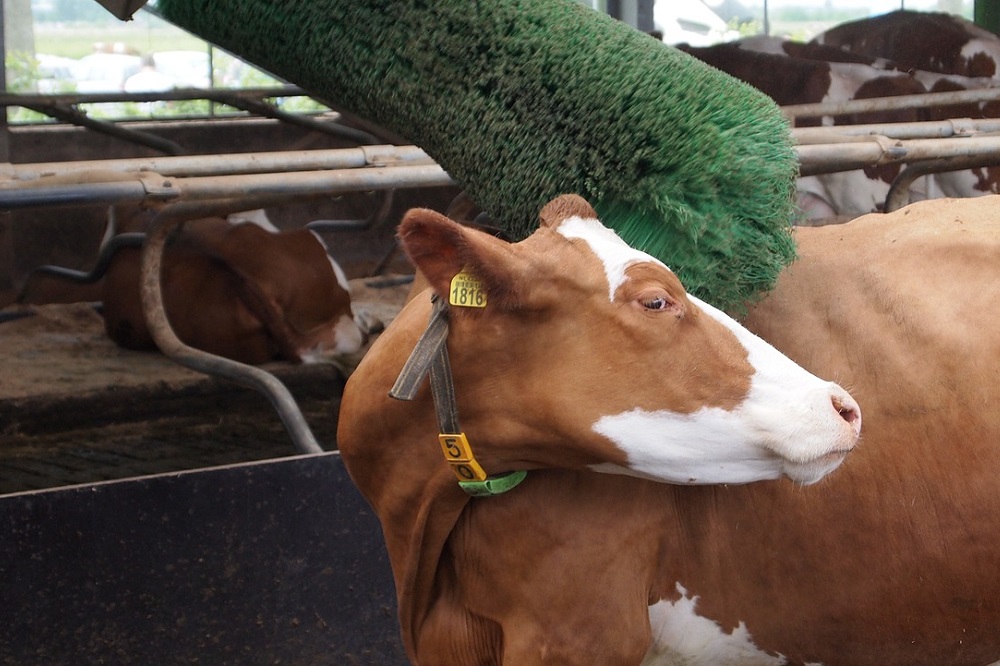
277, 561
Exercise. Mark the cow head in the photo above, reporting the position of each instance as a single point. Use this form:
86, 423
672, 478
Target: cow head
294, 292
589, 353
333, 332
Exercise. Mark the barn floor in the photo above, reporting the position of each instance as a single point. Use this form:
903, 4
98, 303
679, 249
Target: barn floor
75, 408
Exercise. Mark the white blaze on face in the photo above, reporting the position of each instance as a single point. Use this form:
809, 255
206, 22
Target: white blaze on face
790, 411
681, 636
787, 424
614, 253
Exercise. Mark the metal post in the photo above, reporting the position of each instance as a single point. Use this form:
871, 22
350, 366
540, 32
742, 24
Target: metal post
644, 15
629, 13
6, 223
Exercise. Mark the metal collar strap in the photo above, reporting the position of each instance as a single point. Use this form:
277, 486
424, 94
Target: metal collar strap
430, 356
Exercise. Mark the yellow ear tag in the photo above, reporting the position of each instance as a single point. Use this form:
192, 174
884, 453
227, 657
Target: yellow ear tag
467, 291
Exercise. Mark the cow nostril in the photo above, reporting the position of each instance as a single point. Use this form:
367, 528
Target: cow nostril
848, 410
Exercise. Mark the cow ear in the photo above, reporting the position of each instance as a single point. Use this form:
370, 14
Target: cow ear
563, 207
441, 248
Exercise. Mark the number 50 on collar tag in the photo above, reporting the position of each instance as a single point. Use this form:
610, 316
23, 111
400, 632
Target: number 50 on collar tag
467, 291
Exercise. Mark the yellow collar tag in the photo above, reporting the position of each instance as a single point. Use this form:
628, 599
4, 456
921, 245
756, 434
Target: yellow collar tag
467, 291
458, 453
471, 477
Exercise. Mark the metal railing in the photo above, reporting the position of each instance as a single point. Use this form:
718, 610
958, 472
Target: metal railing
65, 107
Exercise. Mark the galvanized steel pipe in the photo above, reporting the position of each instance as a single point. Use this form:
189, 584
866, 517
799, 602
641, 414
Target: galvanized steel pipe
151, 189
829, 158
890, 103
899, 191
931, 129
239, 163
13, 198
304, 183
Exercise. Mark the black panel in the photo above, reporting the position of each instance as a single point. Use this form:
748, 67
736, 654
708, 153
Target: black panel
260, 563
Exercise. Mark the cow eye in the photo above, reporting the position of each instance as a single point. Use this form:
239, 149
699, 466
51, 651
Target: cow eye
656, 303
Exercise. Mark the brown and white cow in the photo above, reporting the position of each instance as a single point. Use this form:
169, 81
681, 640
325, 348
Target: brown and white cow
588, 356
966, 182
795, 73
790, 80
240, 289
891, 560
931, 41
946, 53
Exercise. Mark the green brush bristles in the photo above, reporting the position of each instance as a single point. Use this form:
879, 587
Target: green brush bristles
523, 100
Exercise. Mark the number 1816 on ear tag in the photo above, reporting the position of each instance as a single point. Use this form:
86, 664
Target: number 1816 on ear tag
467, 291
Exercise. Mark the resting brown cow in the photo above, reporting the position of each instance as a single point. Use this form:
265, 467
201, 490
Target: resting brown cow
241, 291
587, 356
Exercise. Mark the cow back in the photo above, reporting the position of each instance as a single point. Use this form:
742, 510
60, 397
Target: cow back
931, 41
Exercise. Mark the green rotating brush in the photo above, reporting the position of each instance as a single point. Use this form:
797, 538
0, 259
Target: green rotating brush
523, 100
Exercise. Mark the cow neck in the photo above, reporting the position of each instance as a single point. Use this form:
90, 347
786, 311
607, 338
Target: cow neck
430, 356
